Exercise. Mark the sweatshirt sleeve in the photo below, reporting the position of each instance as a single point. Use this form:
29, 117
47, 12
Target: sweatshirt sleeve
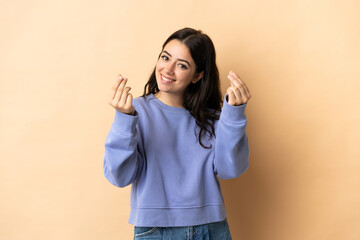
231, 144
122, 160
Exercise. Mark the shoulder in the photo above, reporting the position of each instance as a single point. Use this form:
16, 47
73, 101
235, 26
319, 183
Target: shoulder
139, 101
142, 103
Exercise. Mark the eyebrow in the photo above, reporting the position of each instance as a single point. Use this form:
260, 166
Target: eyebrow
178, 58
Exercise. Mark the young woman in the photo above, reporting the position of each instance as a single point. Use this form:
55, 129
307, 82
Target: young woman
173, 142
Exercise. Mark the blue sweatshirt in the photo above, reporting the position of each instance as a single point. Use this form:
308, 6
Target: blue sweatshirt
174, 179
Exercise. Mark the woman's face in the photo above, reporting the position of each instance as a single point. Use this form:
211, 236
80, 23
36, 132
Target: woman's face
175, 69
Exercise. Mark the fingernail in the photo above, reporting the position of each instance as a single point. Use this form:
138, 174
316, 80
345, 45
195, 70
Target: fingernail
120, 77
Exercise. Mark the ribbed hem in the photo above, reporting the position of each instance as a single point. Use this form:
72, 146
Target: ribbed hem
176, 217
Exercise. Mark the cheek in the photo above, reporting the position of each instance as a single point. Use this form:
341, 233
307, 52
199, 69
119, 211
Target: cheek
159, 66
186, 76
157, 69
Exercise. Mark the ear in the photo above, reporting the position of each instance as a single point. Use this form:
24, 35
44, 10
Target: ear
197, 77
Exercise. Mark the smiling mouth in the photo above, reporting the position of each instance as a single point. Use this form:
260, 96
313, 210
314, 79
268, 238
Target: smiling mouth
167, 79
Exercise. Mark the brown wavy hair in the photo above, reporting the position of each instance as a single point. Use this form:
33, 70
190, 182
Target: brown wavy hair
203, 98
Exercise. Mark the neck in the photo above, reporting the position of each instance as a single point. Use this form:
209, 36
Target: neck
170, 99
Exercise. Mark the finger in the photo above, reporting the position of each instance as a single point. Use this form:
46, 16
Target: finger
248, 95
124, 96
129, 99
246, 89
115, 87
231, 81
237, 94
232, 73
120, 91
242, 83
238, 84
123, 83
238, 79
234, 82
232, 98
241, 96
244, 97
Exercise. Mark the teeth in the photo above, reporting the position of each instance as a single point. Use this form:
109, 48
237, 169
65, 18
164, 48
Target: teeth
167, 79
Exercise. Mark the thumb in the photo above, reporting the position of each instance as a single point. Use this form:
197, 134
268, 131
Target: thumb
128, 103
231, 97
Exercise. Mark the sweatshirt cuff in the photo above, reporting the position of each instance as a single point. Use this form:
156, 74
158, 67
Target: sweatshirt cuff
233, 113
124, 122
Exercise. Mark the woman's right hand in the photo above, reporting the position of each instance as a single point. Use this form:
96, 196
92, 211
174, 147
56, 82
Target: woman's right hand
120, 98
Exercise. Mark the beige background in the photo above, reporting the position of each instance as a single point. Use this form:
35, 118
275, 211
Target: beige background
58, 60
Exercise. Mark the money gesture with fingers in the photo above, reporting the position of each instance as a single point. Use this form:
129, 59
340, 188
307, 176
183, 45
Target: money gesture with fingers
238, 93
120, 98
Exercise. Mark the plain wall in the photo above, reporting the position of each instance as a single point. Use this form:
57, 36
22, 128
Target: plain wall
300, 59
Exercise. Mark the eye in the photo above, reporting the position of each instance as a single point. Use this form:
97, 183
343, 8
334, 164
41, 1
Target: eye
182, 66
164, 57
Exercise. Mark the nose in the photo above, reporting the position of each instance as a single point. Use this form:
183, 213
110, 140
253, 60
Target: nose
169, 68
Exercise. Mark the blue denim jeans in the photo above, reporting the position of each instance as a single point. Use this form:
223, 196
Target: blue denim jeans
210, 231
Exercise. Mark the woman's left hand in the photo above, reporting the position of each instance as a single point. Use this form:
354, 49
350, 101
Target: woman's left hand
238, 93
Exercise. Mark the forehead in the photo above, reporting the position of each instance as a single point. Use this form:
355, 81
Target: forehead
178, 50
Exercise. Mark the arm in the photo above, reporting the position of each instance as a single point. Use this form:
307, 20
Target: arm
122, 160
231, 145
